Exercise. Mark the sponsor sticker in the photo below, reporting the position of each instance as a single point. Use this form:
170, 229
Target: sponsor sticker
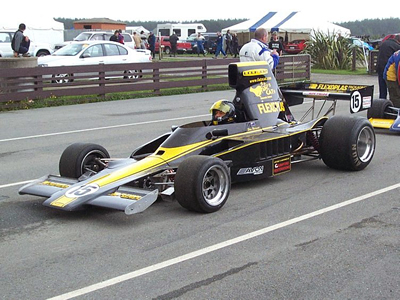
367, 102
281, 165
251, 171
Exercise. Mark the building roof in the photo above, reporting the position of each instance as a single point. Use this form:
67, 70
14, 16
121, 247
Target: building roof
99, 20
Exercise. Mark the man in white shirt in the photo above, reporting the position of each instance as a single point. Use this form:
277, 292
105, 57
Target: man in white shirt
257, 49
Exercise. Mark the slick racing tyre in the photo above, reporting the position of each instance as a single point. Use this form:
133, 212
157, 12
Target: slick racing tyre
202, 184
380, 109
347, 143
80, 158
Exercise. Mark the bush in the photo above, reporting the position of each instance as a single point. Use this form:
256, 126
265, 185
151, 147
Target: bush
331, 52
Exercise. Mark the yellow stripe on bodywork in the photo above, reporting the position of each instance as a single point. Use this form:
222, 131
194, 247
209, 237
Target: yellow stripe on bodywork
62, 201
381, 123
150, 162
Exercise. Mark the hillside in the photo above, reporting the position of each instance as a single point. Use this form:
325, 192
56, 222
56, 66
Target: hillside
374, 28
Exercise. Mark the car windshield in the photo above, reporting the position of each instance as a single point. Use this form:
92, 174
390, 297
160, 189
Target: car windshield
70, 50
84, 36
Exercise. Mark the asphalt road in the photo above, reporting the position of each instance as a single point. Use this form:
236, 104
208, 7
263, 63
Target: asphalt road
312, 233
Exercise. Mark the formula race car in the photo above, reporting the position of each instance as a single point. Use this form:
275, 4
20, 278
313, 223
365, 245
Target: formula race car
383, 114
196, 163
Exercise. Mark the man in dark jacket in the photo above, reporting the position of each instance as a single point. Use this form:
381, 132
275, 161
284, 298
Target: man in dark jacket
20, 43
152, 44
386, 50
173, 40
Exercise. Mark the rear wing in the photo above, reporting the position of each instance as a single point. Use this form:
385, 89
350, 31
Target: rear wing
360, 96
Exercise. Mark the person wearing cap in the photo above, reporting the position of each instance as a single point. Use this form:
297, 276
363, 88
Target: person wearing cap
276, 44
257, 50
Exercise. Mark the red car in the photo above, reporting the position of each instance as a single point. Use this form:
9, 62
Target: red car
295, 46
389, 36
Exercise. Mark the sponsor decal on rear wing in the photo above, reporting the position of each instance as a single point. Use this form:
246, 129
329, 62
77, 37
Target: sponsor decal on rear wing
360, 96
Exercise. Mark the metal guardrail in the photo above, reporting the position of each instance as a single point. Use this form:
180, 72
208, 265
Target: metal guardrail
21, 84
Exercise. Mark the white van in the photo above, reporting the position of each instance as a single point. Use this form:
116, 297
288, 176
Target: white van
183, 31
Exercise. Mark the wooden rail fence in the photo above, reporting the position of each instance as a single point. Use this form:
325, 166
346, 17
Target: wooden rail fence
21, 84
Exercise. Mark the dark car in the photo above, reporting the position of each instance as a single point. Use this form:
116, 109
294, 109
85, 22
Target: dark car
210, 42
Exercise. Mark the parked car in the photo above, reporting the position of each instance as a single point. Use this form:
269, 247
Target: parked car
295, 47
99, 36
390, 36
181, 46
35, 49
93, 53
360, 43
210, 42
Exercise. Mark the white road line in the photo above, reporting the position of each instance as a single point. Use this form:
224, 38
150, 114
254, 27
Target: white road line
14, 184
97, 128
239, 239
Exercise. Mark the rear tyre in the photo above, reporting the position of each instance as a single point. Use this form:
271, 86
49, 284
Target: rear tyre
379, 109
347, 143
202, 184
79, 158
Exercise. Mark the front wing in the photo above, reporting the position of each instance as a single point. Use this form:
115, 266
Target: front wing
128, 199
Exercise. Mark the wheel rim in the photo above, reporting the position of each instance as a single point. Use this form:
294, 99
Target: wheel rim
92, 161
62, 78
365, 144
132, 74
215, 185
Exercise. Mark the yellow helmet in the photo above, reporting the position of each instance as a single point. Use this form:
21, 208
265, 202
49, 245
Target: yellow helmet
228, 110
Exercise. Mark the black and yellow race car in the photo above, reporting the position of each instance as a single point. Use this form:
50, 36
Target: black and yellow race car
383, 114
196, 163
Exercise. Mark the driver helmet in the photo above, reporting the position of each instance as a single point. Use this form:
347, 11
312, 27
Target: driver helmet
222, 112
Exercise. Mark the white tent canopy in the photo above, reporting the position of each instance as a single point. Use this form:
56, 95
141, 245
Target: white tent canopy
42, 23
291, 22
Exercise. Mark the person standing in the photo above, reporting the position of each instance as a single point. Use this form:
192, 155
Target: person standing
235, 44
173, 40
114, 37
219, 42
276, 44
152, 44
120, 37
387, 48
257, 50
391, 75
200, 44
143, 37
228, 42
20, 43
137, 40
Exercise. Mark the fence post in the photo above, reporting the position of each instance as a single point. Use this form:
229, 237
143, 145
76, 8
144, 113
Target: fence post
204, 74
156, 79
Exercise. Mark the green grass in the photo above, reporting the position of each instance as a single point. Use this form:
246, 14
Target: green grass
358, 71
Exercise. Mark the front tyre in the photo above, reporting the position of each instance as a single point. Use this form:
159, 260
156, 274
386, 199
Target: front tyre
80, 158
202, 184
380, 109
347, 143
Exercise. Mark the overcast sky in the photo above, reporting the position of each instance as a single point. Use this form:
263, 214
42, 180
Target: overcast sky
155, 10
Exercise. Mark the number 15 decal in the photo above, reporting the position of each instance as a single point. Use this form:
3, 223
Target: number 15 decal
355, 102
81, 191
